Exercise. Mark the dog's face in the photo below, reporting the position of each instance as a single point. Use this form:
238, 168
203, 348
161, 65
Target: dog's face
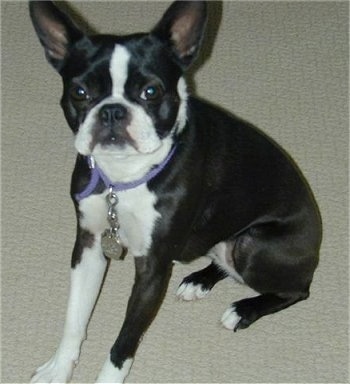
123, 95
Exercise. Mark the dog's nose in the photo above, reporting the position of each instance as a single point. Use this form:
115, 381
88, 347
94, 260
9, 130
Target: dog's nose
112, 113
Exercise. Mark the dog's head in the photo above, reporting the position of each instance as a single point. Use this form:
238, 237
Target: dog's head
123, 95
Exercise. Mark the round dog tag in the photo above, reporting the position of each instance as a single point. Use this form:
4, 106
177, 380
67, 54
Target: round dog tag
111, 246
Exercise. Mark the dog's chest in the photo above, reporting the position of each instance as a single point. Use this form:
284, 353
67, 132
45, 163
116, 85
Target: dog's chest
136, 212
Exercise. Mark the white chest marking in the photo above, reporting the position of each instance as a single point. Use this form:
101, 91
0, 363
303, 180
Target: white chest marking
136, 213
137, 216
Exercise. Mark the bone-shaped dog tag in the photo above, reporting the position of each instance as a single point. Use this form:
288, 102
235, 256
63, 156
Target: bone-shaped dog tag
111, 245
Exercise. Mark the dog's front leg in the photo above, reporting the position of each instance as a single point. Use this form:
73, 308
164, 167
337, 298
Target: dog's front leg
151, 282
88, 268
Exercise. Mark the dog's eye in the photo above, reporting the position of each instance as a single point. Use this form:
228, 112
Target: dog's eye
78, 93
151, 92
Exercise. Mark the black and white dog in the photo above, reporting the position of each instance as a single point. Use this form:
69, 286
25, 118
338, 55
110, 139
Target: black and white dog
169, 178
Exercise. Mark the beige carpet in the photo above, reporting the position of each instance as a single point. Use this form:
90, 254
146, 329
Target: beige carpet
281, 65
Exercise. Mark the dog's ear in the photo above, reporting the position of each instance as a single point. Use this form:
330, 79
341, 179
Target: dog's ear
182, 28
56, 31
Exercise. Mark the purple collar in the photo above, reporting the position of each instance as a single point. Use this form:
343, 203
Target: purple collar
97, 175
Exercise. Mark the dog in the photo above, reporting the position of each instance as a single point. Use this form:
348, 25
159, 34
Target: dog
164, 176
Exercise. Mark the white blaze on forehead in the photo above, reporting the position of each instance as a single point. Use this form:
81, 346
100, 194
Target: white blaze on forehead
182, 114
119, 69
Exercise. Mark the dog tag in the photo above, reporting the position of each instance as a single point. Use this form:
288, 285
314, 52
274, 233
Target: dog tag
111, 246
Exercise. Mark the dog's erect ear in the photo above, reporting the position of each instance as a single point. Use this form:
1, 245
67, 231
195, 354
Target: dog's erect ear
56, 31
182, 28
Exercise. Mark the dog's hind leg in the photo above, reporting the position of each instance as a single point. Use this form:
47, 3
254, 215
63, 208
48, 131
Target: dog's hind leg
245, 312
198, 284
276, 260
88, 268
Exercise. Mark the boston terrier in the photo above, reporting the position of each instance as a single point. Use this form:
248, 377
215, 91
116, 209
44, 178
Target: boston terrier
164, 176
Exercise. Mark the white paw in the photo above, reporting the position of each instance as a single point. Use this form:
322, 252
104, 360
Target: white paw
230, 318
56, 370
112, 374
190, 291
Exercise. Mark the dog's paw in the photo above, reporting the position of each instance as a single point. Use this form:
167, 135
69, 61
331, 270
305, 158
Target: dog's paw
112, 374
191, 291
54, 371
231, 320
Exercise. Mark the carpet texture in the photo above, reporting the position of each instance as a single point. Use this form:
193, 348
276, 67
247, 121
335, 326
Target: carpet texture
281, 65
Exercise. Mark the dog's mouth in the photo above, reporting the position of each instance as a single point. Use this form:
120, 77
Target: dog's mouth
116, 136
123, 141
